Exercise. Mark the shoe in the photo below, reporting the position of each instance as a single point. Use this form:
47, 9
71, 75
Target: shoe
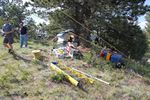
26, 46
10, 51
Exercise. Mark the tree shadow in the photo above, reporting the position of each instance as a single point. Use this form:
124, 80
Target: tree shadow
30, 60
19, 57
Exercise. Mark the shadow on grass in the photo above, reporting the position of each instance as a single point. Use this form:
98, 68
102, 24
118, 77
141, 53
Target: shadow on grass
38, 62
19, 57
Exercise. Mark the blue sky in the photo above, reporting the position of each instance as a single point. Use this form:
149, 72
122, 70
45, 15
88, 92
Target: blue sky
142, 21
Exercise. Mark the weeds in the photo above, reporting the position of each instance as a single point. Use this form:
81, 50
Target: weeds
21, 78
58, 77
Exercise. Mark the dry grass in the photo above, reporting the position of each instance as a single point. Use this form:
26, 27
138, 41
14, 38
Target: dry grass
22, 78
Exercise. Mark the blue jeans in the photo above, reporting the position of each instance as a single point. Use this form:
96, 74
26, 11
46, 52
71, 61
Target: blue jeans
23, 40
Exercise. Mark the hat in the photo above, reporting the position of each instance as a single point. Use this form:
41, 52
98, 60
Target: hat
72, 36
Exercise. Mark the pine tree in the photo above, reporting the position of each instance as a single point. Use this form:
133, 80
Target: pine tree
147, 28
112, 19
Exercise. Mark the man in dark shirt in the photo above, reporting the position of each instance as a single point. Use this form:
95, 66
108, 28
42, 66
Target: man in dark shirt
8, 35
23, 35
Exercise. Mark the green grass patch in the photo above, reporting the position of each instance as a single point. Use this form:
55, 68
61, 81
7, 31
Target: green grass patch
21, 77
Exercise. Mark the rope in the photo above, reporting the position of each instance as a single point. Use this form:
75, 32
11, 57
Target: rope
92, 32
131, 60
99, 37
126, 57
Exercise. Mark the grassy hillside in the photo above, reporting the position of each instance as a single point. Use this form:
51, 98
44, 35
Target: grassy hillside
22, 78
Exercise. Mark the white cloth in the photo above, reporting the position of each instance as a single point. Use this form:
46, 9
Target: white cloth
59, 53
60, 38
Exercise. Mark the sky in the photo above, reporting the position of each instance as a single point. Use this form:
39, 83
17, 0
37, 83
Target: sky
141, 20
35, 17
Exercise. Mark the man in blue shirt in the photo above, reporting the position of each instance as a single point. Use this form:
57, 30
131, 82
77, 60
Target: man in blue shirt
8, 35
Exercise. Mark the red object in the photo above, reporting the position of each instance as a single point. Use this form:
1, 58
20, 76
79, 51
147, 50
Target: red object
101, 54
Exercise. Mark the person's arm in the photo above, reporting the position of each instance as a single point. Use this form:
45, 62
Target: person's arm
9, 32
12, 30
71, 45
55, 39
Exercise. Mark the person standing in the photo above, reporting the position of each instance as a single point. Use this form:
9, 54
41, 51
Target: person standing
23, 35
8, 35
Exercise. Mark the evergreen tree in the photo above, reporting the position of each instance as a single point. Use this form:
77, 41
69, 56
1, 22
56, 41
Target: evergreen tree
147, 28
112, 19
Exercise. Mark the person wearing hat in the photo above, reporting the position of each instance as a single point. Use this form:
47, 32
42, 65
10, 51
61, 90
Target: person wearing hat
8, 35
70, 46
71, 37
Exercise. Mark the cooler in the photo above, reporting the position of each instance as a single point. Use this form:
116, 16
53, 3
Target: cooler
115, 58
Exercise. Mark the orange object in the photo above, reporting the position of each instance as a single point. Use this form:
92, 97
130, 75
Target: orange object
108, 56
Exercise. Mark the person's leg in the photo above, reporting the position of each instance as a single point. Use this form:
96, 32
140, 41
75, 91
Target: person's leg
71, 53
6, 44
10, 44
21, 41
25, 40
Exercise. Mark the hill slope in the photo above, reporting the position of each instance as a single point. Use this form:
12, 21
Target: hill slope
21, 77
